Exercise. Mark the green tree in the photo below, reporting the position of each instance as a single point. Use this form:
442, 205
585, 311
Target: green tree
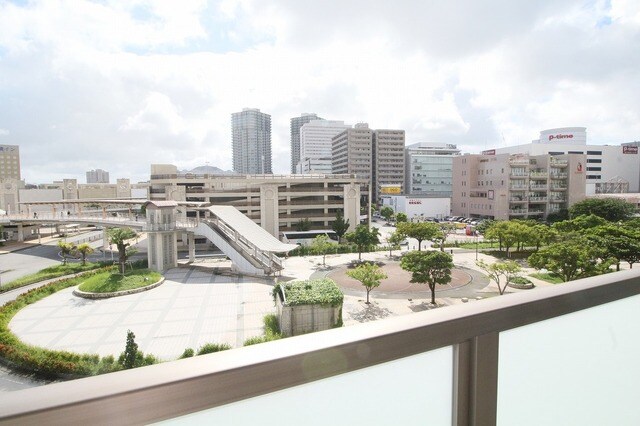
508, 270
579, 223
401, 217
119, 237
128, 358
340, 226
363, 237
446, 229
386, 212
65, 250
84, 250
482, 227
421, 231
508, 233
321, 245
611, 209
430, 267
623, 243
394, 239
303, 225
369, 274
571, 259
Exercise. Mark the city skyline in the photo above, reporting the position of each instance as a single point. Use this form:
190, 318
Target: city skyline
138, 83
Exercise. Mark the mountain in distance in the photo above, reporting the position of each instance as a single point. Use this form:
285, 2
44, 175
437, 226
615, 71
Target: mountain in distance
208, 170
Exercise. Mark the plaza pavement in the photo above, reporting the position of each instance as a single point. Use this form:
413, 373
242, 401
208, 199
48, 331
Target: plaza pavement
194, 306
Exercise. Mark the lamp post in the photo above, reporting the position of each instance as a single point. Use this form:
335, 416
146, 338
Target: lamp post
476, 246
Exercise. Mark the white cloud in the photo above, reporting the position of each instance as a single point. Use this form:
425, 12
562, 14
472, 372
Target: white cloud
120, 85
4, 132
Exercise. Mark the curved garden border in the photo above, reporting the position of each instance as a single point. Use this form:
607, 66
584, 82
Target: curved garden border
90, 295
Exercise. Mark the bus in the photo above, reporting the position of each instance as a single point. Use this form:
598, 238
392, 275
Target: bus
305, 238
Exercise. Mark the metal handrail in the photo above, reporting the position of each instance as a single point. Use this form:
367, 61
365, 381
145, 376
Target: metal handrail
168, 390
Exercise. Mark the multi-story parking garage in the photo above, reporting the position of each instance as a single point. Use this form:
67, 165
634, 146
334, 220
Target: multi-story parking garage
275, 202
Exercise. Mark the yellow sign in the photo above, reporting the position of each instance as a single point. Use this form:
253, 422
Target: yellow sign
391, 190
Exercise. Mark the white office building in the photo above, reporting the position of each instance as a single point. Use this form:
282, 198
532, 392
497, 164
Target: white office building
315, 145
608, 167
429, 168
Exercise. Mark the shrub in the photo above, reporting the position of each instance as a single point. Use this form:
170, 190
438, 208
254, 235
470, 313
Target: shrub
271, 331
209, 348
520, 280
188, 353
309, 292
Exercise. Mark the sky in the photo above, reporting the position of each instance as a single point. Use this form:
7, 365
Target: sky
119, 85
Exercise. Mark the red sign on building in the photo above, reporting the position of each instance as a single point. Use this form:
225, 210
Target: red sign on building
627, 149
489, 152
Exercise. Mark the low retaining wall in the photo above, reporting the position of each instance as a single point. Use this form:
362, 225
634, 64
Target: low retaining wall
87, 295
295, 320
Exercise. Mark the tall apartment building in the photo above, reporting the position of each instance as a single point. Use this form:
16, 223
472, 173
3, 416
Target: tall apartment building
315, 145
97, 176
606, 167
296, 124
429, 168
251, 141
504, 186
388, 160
374, 155
10, 162
352, 151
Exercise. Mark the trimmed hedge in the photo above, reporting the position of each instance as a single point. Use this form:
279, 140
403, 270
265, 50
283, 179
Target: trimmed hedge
335, 249
310, 292
47, 362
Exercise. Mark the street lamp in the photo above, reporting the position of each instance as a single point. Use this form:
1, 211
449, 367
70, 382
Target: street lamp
476, 245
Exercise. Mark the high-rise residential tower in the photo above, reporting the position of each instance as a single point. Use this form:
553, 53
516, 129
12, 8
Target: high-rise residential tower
315, 145
251, 138
296, 124
97, 176
9, 162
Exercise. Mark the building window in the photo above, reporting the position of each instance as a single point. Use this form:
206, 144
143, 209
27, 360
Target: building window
594, 169
594, 152
556, 152
576, 152
594, 160
593, 176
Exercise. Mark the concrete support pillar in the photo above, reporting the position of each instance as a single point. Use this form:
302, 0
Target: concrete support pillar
191, 239
105, 239
20, 233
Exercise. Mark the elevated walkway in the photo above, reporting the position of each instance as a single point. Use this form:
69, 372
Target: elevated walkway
251, 248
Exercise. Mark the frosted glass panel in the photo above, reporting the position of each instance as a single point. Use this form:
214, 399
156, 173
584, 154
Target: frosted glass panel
411, 391
578, 369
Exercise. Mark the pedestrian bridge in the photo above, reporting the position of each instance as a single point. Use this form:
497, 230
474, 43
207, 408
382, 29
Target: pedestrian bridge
251, 249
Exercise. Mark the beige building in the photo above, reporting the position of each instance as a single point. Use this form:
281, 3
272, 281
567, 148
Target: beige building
10, 162
374, 155
13, 193
275, 202
517, 186
388, 160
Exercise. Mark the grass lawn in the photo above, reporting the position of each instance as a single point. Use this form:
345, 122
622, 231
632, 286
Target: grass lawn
548, 277
472, 245
48, 273
106, 282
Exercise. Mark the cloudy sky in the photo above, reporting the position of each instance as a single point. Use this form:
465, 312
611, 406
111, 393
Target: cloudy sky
119, 85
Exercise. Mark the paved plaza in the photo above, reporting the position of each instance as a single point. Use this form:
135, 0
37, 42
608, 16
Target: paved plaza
197, 305
192, 307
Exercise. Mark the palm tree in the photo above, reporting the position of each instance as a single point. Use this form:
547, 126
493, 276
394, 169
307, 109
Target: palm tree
65, 250
84, 250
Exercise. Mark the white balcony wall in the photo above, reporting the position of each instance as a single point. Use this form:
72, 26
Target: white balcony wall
577, 369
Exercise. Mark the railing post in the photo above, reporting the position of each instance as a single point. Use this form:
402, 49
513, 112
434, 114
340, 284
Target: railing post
475, 381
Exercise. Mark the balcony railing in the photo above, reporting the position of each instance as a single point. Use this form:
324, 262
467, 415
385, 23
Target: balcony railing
538, 186
537, 199
517, 211
538, 175
518, 187
467, 364
558, 175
